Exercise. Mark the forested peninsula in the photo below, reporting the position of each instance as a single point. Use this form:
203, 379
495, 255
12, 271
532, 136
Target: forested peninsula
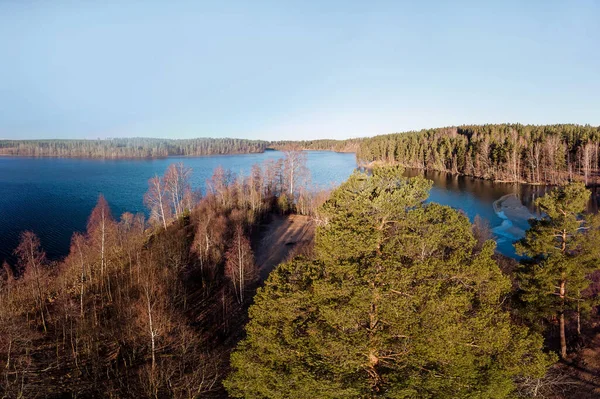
549, 154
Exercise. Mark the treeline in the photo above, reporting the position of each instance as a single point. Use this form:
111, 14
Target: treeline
349, 145
142, 308
403, 299
155, 148
130, 147
549, 154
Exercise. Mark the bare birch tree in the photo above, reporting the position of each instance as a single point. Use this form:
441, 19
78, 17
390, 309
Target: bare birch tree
587, 155
177, 183
156, 199
295, 171
239, 264
32, 260
101, 229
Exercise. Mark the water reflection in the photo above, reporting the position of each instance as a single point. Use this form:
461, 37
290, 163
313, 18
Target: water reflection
506, 206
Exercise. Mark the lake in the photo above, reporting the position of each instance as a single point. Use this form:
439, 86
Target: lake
477, 197
54, 196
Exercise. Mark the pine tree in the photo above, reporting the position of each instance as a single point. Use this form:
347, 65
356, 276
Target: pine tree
398, 302
560, 254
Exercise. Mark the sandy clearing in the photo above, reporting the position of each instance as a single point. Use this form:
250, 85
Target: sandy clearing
282, 235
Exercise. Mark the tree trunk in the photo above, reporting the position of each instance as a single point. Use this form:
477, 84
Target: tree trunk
162, 211
292, 178
40, 298
578, 317
373, 355
241, 269
82, 281
563, 338
152, 334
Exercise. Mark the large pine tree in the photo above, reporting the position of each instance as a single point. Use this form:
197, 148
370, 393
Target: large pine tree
560, 252
398, 302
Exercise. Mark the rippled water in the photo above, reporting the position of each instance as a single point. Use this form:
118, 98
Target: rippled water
53, 197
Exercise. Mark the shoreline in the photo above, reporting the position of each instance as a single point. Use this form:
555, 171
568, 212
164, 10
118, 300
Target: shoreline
372, 164
125, 157
145, 158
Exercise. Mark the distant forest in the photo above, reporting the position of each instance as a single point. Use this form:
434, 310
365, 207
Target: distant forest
507, 152
155, 148
129, 147
349, 145
550, 154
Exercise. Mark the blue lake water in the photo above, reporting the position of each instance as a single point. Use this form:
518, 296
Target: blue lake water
53, 197
477, 197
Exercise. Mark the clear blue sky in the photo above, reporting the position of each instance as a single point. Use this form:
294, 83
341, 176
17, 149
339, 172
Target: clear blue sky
292, 70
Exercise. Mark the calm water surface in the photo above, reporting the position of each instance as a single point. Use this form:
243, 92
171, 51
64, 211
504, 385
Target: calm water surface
53, 196
476, 197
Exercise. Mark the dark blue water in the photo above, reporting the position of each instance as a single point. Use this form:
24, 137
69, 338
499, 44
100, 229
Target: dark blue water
54, 196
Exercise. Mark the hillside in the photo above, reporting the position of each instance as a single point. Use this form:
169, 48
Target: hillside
145, 308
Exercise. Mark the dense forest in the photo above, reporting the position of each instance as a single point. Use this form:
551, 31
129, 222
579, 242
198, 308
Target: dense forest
349, 145
155, 148
550, 154
402, 299
130, 147
508, 152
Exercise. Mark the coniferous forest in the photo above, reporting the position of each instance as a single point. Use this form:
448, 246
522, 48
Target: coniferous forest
545, 154
156, 148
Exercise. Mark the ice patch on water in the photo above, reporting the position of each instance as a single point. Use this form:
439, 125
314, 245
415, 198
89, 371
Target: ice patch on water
513, 214
507, 230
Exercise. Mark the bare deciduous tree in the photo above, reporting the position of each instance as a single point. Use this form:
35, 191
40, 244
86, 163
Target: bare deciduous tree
239, 263
219, 184
177, 182
587, 155
101, 229
156, 199
32, 260
295, 171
